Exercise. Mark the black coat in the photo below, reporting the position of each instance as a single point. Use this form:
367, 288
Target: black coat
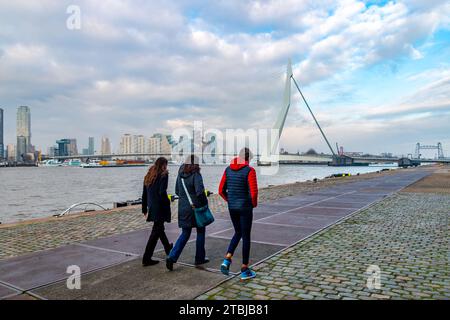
155, 200
196, 189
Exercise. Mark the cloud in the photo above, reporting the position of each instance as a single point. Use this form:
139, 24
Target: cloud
140, 66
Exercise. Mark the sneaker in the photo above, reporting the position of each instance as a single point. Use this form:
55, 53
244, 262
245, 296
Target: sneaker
248, 274
198, 263
169, 264
225, 267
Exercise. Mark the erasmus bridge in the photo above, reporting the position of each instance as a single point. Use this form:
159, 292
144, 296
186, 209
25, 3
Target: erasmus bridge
334, 158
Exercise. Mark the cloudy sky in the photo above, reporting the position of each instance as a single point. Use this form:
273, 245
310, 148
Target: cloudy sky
377, 73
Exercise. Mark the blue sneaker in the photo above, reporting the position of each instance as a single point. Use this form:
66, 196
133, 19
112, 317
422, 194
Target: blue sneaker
225, 267
248, 274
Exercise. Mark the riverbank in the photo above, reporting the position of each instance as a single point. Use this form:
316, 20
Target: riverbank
40, 234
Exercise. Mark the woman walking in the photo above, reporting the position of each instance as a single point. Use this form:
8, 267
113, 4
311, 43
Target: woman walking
189, 179
156, 208
239, 188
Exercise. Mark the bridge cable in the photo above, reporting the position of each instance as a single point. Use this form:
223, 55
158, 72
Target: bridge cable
307, 105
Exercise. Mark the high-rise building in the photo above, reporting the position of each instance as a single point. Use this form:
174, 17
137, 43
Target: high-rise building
23, 128
166, 143
73, 149
2, 146
126, 144
132, 144
154, 146
91, 148
139, 144
106, 146
11, 152
21, 148
63, 147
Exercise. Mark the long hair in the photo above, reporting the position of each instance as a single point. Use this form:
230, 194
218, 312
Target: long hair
156, 170
191, 164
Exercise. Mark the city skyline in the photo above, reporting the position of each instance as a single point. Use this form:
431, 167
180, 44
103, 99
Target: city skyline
2, 146
376, 73
146, 145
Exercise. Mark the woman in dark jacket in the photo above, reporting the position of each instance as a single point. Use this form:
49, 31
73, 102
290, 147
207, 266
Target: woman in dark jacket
156, 208
190, 173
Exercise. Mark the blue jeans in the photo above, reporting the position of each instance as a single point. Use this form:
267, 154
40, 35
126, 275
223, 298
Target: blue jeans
242, 223
183, 239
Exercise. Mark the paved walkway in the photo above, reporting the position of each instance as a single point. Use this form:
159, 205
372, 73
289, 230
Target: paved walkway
405, 236
111, 266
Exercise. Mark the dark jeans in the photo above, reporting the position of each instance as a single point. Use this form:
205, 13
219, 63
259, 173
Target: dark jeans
183, 239
157, 233
242, 223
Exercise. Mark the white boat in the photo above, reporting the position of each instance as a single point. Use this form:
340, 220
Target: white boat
386, 165
72, 163
91, 164
50, 163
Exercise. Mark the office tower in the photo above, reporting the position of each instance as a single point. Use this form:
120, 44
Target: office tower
11, 152
106, 146
23, 128
2, 146
63, 147
91, 148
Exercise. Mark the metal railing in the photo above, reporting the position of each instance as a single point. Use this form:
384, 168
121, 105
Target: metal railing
68, 210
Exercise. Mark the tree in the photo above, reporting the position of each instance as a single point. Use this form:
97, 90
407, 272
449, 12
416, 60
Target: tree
311, 152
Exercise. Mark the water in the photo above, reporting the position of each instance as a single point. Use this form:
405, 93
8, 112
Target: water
41, 192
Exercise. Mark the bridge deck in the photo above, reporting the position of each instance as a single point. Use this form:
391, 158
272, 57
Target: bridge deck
111, 266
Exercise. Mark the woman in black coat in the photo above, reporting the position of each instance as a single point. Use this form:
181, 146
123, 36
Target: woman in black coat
190, 173
156, 208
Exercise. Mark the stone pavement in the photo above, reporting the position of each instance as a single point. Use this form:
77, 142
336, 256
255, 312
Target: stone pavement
109, 264
405, 236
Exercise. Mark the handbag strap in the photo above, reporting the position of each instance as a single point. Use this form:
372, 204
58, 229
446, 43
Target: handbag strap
187, 193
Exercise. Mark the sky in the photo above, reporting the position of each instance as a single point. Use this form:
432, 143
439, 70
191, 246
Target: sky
376, 73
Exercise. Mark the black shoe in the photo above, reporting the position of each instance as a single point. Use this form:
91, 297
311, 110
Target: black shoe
151, 262
170, 249
169, 264
198, 263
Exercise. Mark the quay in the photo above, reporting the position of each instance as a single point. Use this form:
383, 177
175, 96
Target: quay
310, 243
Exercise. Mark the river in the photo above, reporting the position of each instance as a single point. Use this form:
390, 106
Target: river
38, 192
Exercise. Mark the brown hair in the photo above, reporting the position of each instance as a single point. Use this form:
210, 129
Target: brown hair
191, 164
158, 169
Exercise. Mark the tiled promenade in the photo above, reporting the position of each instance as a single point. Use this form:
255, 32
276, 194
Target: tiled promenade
399, 240
406, 236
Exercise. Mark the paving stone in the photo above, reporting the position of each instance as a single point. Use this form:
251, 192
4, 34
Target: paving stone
404, 235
